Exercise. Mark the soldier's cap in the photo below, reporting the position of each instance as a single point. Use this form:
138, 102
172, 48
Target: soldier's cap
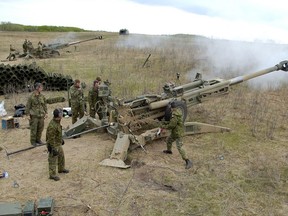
37, 85
98, 79
57, 113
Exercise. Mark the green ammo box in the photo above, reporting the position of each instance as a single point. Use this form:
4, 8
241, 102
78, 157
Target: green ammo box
45, 205
10, 209
29, 208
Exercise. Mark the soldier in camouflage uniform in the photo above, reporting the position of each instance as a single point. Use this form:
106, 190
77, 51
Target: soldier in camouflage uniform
54, 146
25, 46
77, 101
36, 110
92, 100
177, 131
39, 49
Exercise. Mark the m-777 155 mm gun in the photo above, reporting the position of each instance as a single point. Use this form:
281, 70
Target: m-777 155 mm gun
43, 51
128, 120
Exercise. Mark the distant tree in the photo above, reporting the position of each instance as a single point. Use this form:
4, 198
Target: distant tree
8, 26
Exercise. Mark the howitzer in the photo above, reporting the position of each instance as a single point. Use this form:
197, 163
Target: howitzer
57, 46
149, 110
45, 51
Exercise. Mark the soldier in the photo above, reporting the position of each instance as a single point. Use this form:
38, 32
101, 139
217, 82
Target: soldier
36, 110
12, 54
25, 46
92, 99
77, 101
29, 47
39, 49
54, 146
177, 130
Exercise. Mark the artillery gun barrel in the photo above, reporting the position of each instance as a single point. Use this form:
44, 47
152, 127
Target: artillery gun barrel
81, 41
281, 66
226, 83
244, 78
199, 90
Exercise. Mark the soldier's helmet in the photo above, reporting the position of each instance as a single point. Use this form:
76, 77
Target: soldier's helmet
98, 79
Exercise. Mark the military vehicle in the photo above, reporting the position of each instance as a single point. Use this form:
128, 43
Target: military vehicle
42, 50
136, 122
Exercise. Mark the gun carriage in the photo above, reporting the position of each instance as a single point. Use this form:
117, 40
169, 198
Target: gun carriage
128, 120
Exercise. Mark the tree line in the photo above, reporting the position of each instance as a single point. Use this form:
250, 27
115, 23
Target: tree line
8, 26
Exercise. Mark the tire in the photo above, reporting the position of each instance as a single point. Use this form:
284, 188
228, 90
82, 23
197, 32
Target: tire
179, 105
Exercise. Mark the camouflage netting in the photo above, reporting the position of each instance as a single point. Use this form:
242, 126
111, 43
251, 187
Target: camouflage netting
22, 77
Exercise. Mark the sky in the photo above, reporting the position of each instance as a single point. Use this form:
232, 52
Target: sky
245, 20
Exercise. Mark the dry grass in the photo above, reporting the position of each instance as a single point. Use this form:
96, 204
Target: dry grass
243, 172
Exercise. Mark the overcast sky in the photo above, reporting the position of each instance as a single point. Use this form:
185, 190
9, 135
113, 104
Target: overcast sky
247, 20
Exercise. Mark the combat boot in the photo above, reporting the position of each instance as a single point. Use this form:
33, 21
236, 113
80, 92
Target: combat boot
188, 164
39, 142
64, 171
54, 177
167, 151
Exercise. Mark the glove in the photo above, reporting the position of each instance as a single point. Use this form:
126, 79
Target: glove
49, 148
63, 142
55, 152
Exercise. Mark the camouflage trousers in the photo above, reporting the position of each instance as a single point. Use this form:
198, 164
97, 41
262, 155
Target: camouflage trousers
77, 111
94, 109
92, 112
36, 128
179, 144
55, 161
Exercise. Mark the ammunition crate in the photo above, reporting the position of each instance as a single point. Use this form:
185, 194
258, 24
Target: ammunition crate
10, 209
7, 123
45, 205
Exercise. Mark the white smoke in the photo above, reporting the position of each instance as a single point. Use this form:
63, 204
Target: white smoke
228, 59
218, 58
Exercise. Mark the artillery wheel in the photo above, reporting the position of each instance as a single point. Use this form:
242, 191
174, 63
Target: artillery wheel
55, 53
181, 106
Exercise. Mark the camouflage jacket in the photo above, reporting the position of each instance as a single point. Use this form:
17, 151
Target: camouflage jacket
175, 124
76, 95
54, 133
36, 105
92, 96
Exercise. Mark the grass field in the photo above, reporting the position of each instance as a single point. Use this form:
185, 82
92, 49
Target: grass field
243, 172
